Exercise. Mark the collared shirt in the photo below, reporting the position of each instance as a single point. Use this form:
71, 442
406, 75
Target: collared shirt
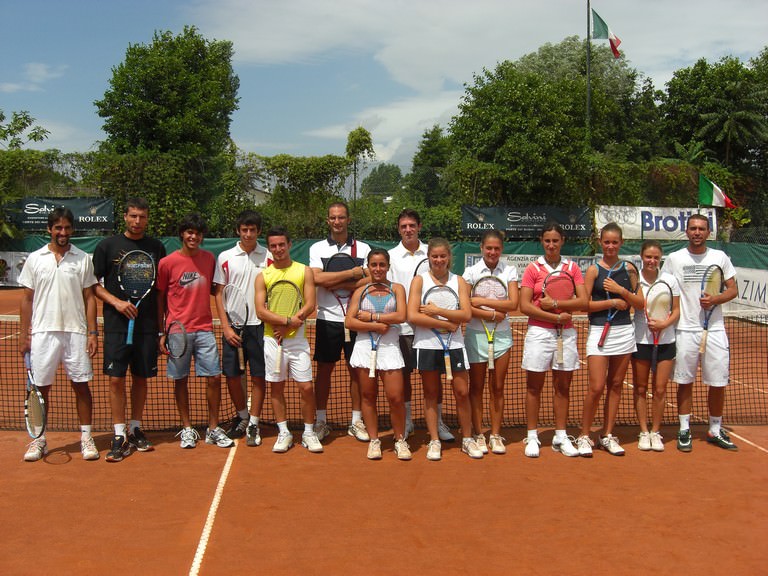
533, 278
507, 274
238, 267
328, 308
402, 264
58, 304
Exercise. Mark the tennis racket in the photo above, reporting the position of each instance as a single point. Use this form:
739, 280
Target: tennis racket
494, 289
626, 275
377, 299
711, 285
443, 297
136, 275
285, 299
175, 339
236, 308
559, 285
421, 267
34, 404
340, 262
658, 306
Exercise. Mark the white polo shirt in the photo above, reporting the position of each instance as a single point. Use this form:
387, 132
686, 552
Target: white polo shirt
402, 264
505, 273
238, 267
328, 308
58, 304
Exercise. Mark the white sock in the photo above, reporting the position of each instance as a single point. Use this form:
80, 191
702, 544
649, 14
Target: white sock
714, 425
133, 424
309, 428
560, 434
254, 420
243, 414
85, 431
120, 430
439, 413
357, 416
533, 434
685, 421
283, 426
408, 412
321, 415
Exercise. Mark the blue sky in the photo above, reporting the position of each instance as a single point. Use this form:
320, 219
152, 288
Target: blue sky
313, 70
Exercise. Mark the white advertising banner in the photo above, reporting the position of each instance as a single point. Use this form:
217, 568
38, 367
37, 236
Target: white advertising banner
644, 222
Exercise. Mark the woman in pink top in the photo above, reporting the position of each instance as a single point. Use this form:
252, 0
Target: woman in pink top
540, 352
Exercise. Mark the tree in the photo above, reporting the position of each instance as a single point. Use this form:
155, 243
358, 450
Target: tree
20, 130
383, 181
302, 189
174, 95
428, 171
723, 105
359, 150
518, 138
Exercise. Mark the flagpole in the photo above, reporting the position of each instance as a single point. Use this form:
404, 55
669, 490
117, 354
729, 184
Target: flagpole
589, 87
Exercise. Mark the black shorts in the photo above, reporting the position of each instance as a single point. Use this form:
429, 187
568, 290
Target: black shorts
406, 349
253, 353
141, 356
329, 341
430, 360
666, 352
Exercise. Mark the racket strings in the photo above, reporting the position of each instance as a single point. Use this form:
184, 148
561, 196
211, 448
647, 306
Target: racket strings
136, 273
236, 306
35, 410
560, 288
490, 288
658, 302
380, 303
713, 284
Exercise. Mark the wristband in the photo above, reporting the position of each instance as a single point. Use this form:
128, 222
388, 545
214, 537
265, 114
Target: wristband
93, 332
161, 333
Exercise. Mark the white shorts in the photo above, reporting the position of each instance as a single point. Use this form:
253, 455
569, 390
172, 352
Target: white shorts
540, 350
49, 349
476, 344
296, 363
620, 340
715, 363
388, 356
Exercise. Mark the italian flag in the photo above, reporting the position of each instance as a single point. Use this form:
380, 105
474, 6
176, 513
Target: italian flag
710, 194
600, 31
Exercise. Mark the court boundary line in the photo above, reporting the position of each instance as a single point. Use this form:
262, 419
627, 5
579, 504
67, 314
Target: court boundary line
743, 439
211, 518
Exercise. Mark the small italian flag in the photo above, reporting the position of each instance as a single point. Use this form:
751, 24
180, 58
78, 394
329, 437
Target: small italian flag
600, 31
710, 194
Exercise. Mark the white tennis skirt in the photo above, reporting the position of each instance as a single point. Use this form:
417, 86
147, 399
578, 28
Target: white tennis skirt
620, 340
388, 356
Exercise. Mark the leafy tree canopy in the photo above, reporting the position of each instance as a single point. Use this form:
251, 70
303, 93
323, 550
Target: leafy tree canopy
175, 95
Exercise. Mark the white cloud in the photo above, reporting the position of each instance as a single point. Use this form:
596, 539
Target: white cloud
397, 127
431, 48
39, 73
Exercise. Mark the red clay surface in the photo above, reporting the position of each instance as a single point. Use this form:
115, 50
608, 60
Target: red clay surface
338, 513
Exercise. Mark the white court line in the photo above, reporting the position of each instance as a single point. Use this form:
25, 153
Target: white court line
203, 543
740, 437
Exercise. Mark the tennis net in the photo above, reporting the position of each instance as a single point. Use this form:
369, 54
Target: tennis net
746, 401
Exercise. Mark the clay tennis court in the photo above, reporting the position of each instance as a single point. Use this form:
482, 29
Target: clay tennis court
338, 513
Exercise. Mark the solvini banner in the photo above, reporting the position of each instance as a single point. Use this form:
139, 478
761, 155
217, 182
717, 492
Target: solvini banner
90, 213
524, 222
